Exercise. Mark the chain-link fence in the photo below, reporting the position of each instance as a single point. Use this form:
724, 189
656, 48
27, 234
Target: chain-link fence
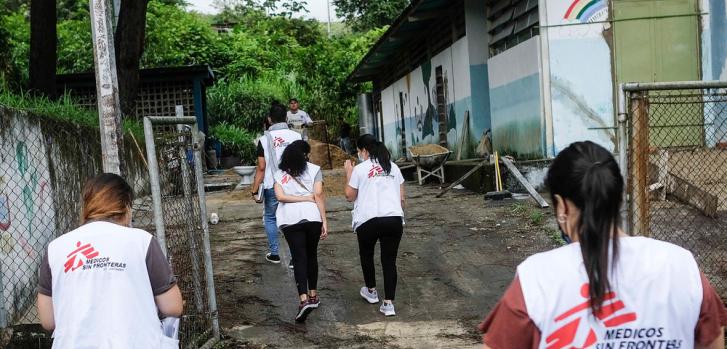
676, 135
43, 166
175, 170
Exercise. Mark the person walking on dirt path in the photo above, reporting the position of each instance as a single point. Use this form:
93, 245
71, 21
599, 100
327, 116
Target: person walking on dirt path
376, 187
344, 132
104, 283
603, 289
301, 216
298, 120
270, 148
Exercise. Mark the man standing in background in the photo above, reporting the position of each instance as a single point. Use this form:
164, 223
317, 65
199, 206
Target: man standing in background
344, 132
298, 119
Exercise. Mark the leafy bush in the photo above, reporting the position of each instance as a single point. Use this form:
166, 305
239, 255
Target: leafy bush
235, 141
244, 102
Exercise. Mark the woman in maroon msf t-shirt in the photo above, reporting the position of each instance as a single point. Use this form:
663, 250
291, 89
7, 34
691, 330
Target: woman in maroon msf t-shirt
603, 289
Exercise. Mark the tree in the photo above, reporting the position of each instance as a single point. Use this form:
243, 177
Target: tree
364, 15
129, 45
43, 44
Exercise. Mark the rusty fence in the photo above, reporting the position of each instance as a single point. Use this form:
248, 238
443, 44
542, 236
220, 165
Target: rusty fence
675, 135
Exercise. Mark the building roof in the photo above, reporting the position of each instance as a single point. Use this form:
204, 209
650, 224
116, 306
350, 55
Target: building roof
179, 73
410, 25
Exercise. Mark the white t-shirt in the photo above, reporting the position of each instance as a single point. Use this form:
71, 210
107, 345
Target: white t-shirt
102, 296
281, 138
296, 212
298, 119
656, 299
379, 194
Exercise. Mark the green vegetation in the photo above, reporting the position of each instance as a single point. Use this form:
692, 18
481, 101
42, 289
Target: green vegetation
63, 109
236, 141
259, 58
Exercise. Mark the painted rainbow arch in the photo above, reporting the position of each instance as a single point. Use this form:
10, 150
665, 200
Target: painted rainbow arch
583, 10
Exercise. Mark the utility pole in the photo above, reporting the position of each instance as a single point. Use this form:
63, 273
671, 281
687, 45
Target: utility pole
328, 4
107, 85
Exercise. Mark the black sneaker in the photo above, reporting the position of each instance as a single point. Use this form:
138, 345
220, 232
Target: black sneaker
272, 258
290, 265
314, 301
304, 309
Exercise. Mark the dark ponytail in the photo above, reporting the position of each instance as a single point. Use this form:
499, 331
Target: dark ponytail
377, 151
588, 175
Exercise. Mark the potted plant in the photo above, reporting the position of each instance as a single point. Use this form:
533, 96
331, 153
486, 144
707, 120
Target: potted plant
238, 145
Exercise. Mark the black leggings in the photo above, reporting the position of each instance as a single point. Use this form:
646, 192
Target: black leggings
303, 241
389, 231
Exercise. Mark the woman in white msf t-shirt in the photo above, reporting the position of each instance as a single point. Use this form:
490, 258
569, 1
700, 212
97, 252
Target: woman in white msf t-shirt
103, 284
377, 189
603, 289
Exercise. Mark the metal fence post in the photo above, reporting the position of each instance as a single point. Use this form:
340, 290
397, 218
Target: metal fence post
156, 193
640, 168
189, 217
212, 298
623, 157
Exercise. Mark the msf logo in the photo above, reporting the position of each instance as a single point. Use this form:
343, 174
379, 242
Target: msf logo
286, 179
278, 142
375, 171
74, 262
611, 315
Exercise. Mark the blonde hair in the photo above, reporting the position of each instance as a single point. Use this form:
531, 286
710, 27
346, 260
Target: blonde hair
106, 197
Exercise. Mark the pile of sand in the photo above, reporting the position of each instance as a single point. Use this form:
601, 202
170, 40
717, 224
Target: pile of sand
319, 155
427, 149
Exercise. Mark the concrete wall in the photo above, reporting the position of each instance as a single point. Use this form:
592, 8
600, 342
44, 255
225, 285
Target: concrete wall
580, 76
416, 93
478, 46
43, 165
714, 65
515, 101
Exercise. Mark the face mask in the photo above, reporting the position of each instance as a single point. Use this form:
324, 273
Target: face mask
564, 236
360, 158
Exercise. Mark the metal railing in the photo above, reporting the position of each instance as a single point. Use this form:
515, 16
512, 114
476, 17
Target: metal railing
674, 141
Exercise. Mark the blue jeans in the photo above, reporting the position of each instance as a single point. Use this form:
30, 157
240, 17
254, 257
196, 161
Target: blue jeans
271, 224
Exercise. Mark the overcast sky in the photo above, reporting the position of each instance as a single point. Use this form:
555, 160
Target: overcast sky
316, 9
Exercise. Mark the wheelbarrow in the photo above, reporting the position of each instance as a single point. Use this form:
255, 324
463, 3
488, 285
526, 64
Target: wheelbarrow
429, 160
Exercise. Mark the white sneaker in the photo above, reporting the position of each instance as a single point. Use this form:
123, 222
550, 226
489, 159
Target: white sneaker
387, 309
371, 297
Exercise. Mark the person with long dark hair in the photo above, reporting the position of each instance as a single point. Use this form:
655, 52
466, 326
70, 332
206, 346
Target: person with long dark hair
301, 216
603, 289
376, 187
103, 284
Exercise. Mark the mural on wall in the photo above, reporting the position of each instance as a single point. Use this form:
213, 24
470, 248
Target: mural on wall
415, 95
587, 11
581, 83
27, 215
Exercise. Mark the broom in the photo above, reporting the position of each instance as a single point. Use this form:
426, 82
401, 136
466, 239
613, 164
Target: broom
499, 193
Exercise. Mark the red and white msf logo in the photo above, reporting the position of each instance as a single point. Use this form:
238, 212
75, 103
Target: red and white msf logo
286, 179
375, 170
73, 262
611, 315
278, 142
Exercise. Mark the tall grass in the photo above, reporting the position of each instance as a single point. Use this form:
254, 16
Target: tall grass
64, 109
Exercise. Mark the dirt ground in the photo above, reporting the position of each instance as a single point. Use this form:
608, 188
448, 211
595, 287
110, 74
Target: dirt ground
457, 255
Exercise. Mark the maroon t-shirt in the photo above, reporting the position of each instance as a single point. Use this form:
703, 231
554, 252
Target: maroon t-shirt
509, 326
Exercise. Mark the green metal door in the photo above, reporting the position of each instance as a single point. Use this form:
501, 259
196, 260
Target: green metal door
658, 40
